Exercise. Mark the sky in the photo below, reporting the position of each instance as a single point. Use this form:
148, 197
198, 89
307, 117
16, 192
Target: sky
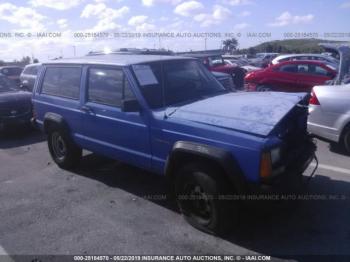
71, 25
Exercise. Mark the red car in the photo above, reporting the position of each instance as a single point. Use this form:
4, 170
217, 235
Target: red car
290, 76
215, 63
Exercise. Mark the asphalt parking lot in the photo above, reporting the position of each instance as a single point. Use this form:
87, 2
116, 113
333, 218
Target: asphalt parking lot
104, 208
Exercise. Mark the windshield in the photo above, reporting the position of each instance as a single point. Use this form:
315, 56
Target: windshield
6, 85
175, 82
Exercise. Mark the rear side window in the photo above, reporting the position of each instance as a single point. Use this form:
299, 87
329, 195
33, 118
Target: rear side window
289, 68
62, 81
31, 70
108, 86
318, 70
303, 69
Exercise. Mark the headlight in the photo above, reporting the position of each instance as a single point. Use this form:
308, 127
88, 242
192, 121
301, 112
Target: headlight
275, 155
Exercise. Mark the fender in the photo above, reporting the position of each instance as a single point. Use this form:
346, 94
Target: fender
220, 156
54, 118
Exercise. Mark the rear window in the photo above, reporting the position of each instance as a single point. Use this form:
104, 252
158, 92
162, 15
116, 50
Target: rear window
31, 70
62, 81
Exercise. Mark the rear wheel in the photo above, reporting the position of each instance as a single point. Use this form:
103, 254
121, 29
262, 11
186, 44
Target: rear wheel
198, 193
63, 151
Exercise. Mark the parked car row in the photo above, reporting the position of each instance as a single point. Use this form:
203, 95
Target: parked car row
290, 76
11, 72
15, 105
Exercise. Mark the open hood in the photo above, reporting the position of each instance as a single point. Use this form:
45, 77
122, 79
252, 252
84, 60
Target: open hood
344, 52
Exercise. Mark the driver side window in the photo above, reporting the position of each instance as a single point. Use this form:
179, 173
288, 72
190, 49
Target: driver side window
108, 86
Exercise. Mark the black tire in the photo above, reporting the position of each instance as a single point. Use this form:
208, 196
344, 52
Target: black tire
198, 189
62, 149
345, 139
238, 78
263, 88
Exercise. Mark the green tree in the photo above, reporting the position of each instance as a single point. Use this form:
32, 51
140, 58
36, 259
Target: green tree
25, 60
230, 45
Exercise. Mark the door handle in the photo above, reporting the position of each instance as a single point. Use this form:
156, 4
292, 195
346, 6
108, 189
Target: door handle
87, 110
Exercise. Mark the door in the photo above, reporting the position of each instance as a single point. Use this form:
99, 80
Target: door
282, 78
107, 129
310, 75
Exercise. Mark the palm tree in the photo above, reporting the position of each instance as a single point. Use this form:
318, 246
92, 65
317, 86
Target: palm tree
230, 45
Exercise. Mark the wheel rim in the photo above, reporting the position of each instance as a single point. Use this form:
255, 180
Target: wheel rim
58, 146
198, 204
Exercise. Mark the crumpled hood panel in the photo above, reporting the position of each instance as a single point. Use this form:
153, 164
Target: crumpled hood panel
256, 113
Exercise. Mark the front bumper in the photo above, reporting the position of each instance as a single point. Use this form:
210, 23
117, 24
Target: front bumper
291, 179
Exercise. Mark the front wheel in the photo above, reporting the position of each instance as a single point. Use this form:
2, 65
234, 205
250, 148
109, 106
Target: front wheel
345, 139
63, 151
199, 192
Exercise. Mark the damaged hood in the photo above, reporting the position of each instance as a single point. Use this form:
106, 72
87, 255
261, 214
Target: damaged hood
256, 113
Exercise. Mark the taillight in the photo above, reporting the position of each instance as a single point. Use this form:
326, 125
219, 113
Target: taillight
313, 99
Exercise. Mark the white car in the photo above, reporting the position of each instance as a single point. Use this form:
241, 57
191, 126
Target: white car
329, 114
329, 60
329, 107
248, 68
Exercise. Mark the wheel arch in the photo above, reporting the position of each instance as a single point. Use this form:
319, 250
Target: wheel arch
57, 120
184, 152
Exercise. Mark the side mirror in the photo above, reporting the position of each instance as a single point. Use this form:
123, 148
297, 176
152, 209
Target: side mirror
131, 105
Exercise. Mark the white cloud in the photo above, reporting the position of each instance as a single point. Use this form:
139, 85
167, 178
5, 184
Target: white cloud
237, 2
62, 23
141, 23
218, 15
104, 14
245, 14
241, 26
145, 27
287, 18
56, 4
25, 17
137, 20
345, 5
154, 2
188, 8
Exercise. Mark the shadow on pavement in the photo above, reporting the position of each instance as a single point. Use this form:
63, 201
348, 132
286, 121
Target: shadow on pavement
317, 224
18, 137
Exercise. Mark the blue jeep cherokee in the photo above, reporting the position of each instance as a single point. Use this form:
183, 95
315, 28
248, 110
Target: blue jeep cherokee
170, 115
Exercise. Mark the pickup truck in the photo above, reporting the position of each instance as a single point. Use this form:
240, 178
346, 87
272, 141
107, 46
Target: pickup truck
169, 115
